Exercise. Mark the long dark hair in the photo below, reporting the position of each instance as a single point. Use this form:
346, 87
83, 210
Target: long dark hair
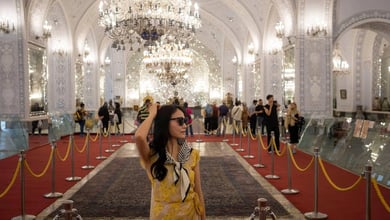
160, 139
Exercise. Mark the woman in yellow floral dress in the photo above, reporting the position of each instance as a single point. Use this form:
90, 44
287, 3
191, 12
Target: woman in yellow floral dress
171, 165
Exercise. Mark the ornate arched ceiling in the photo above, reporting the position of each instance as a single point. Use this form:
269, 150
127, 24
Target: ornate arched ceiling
237, 22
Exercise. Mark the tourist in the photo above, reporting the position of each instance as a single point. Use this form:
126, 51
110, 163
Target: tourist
272, 122
291, 124
171, 165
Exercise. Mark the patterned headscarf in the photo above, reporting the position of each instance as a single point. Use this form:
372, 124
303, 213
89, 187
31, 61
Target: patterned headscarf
180, 173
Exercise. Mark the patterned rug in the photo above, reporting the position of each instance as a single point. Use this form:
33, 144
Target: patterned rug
122, 189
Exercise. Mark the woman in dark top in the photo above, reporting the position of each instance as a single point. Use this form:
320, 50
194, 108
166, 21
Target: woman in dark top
272, 122
104, 116
117, 116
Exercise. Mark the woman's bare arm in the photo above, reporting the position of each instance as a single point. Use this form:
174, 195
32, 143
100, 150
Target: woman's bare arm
141, 135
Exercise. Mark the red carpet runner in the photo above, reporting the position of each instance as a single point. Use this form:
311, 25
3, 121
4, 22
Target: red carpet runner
336, 204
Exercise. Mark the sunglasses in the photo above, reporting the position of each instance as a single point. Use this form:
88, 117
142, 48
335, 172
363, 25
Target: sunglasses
180, 120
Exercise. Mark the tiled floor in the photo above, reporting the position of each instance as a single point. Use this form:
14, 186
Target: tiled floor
206, 149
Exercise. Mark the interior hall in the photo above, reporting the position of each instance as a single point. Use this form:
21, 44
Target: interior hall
327, 61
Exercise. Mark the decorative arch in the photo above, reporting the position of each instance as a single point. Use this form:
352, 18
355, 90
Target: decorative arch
359, 19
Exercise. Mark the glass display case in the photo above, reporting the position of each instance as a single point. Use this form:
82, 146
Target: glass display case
351, 143
60, 125
13, 137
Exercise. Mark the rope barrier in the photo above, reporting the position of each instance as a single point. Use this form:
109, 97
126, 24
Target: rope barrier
66, 154
262, 143
105, 134
44, 170
380, 195
84, 146
95, 138
251, 135
333, 184
278, 152
6, 190
296, 165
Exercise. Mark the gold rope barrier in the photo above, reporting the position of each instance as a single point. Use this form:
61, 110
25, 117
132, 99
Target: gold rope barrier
44, 170
66, 154
276, 150
84, 146
95, 138
296, 165
253, 138
333, 184
108, 131
12, 180
262, 143
380, 195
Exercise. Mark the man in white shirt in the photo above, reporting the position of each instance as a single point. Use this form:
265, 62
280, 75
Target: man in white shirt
237, 117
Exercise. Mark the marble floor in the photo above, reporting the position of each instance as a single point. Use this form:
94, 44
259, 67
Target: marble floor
206, 149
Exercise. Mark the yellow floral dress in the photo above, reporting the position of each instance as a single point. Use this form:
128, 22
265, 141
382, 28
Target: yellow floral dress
166, 197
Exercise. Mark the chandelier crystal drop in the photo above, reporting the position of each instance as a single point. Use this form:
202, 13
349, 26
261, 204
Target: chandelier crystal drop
133, 21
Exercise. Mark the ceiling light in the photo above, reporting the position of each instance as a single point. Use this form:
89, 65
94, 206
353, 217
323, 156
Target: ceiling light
143, 21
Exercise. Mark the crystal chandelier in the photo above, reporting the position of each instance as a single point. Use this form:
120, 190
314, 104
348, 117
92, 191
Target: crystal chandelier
340, 66
145, 21
168, 61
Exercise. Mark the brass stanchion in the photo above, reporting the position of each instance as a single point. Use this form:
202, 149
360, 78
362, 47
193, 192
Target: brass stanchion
289, 190
272, 175
109, 150
68, 212
23, 215
264, 210
224, 129
123, 130
73, 177
240, 131
259, 147
367, 175
53, 193
100, 157
199, 130
234, 133
249, 144
315, 214
88, 166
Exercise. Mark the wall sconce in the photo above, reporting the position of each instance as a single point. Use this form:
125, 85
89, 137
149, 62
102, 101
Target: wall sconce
340, 66
234, 60
6, 26
317, 30
46, 30
251, 48
60, 49
87, 53
87, 50
276, 46
107, 61
251, 59
279, 28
